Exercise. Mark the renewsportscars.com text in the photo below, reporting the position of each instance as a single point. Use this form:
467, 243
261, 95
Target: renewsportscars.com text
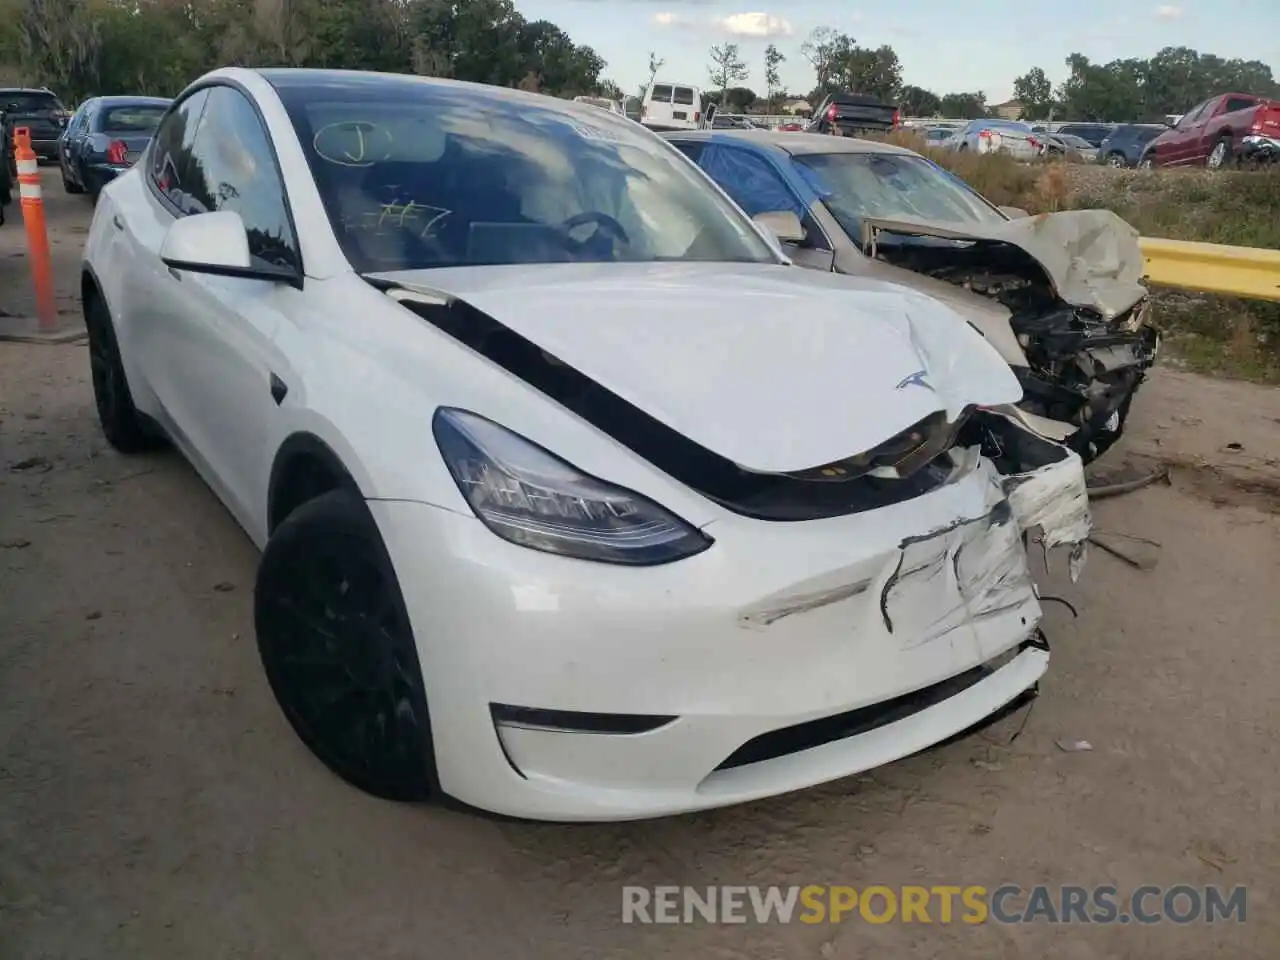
944, 904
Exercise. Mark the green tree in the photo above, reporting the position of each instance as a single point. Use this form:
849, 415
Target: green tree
1172, 81
875, 72
726, 67
826, 50
1035, 92
773, 57
964, 106
739, 99
82, 47
919, 102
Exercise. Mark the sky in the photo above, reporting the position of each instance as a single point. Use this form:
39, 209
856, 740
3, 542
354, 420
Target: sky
943, 45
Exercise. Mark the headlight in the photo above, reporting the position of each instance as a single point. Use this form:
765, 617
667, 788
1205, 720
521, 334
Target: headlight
531, 497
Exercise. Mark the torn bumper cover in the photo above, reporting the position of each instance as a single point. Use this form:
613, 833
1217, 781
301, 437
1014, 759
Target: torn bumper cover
1072, 283
1044, 481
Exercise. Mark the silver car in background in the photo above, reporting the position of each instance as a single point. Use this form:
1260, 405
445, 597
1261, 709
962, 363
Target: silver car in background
1067, 146
997, 136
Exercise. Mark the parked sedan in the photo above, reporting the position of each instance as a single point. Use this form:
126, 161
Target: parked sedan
1091, 133
996, 136
525, 415
1059, 296
1066, 145
104, 139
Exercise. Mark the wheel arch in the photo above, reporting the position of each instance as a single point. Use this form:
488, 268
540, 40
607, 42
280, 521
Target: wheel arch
305, 467
89, 288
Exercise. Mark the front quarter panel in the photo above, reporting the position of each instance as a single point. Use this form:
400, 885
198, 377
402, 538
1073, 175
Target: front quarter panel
368, 376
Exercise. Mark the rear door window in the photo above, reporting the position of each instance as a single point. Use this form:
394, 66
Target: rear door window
684, 95
661, 93
1240, 103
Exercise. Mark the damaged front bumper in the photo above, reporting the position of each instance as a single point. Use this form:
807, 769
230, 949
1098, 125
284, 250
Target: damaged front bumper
790, 655
1085, 372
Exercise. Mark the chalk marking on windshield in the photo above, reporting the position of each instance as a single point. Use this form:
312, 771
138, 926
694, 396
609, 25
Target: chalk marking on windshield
365, 131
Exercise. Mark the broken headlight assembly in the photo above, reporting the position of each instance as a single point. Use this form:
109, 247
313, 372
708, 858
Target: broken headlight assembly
530, 497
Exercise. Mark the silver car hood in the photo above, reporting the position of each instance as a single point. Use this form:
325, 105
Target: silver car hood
1091, 257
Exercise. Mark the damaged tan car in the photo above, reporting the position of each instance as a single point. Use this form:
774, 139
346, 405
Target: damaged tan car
1058, 295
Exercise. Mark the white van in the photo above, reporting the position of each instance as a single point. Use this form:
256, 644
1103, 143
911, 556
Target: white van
672, 106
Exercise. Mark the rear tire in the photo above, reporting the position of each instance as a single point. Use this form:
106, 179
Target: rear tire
339, 652
1220, 156
127, 430
70, 185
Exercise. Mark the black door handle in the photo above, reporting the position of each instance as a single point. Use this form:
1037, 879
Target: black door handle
117, 222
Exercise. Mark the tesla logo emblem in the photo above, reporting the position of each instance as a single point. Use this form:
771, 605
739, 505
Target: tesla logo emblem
917, 379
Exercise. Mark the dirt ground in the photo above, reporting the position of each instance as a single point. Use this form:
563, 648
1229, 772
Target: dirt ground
154, 803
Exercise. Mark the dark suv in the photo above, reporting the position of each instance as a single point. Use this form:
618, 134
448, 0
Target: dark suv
40, 111
1094, 133
1125, 145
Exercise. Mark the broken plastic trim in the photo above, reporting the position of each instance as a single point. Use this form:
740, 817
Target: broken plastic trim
1044, 482
762, 496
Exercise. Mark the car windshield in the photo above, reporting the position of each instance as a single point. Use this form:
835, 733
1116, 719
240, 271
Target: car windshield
416, 175
890, 186
132, 118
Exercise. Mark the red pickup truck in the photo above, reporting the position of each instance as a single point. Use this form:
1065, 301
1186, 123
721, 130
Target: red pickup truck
1223, 130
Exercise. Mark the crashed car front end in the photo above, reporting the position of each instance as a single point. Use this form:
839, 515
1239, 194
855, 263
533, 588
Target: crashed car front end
1072, 285
862, 496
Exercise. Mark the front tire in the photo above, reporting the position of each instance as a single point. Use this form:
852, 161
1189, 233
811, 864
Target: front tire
125, 428
1116, 160
339, 652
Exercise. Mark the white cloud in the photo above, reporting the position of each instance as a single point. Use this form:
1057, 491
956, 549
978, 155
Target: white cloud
667, 19
1168, 12
755, 25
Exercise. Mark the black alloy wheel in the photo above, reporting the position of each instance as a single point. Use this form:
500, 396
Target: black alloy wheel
338, 649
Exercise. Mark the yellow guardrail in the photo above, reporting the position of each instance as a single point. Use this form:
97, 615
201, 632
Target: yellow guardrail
1212, 268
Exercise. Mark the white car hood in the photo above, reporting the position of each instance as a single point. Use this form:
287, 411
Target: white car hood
757, 363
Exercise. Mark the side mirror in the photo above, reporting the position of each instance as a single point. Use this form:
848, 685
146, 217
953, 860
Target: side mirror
216, 244
1013, 213
709, 115
783, 224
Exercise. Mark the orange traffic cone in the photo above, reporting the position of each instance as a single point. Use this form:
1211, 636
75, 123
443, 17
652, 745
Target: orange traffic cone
37, 232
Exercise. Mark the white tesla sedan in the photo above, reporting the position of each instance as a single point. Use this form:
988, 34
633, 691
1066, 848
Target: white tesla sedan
576, 500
